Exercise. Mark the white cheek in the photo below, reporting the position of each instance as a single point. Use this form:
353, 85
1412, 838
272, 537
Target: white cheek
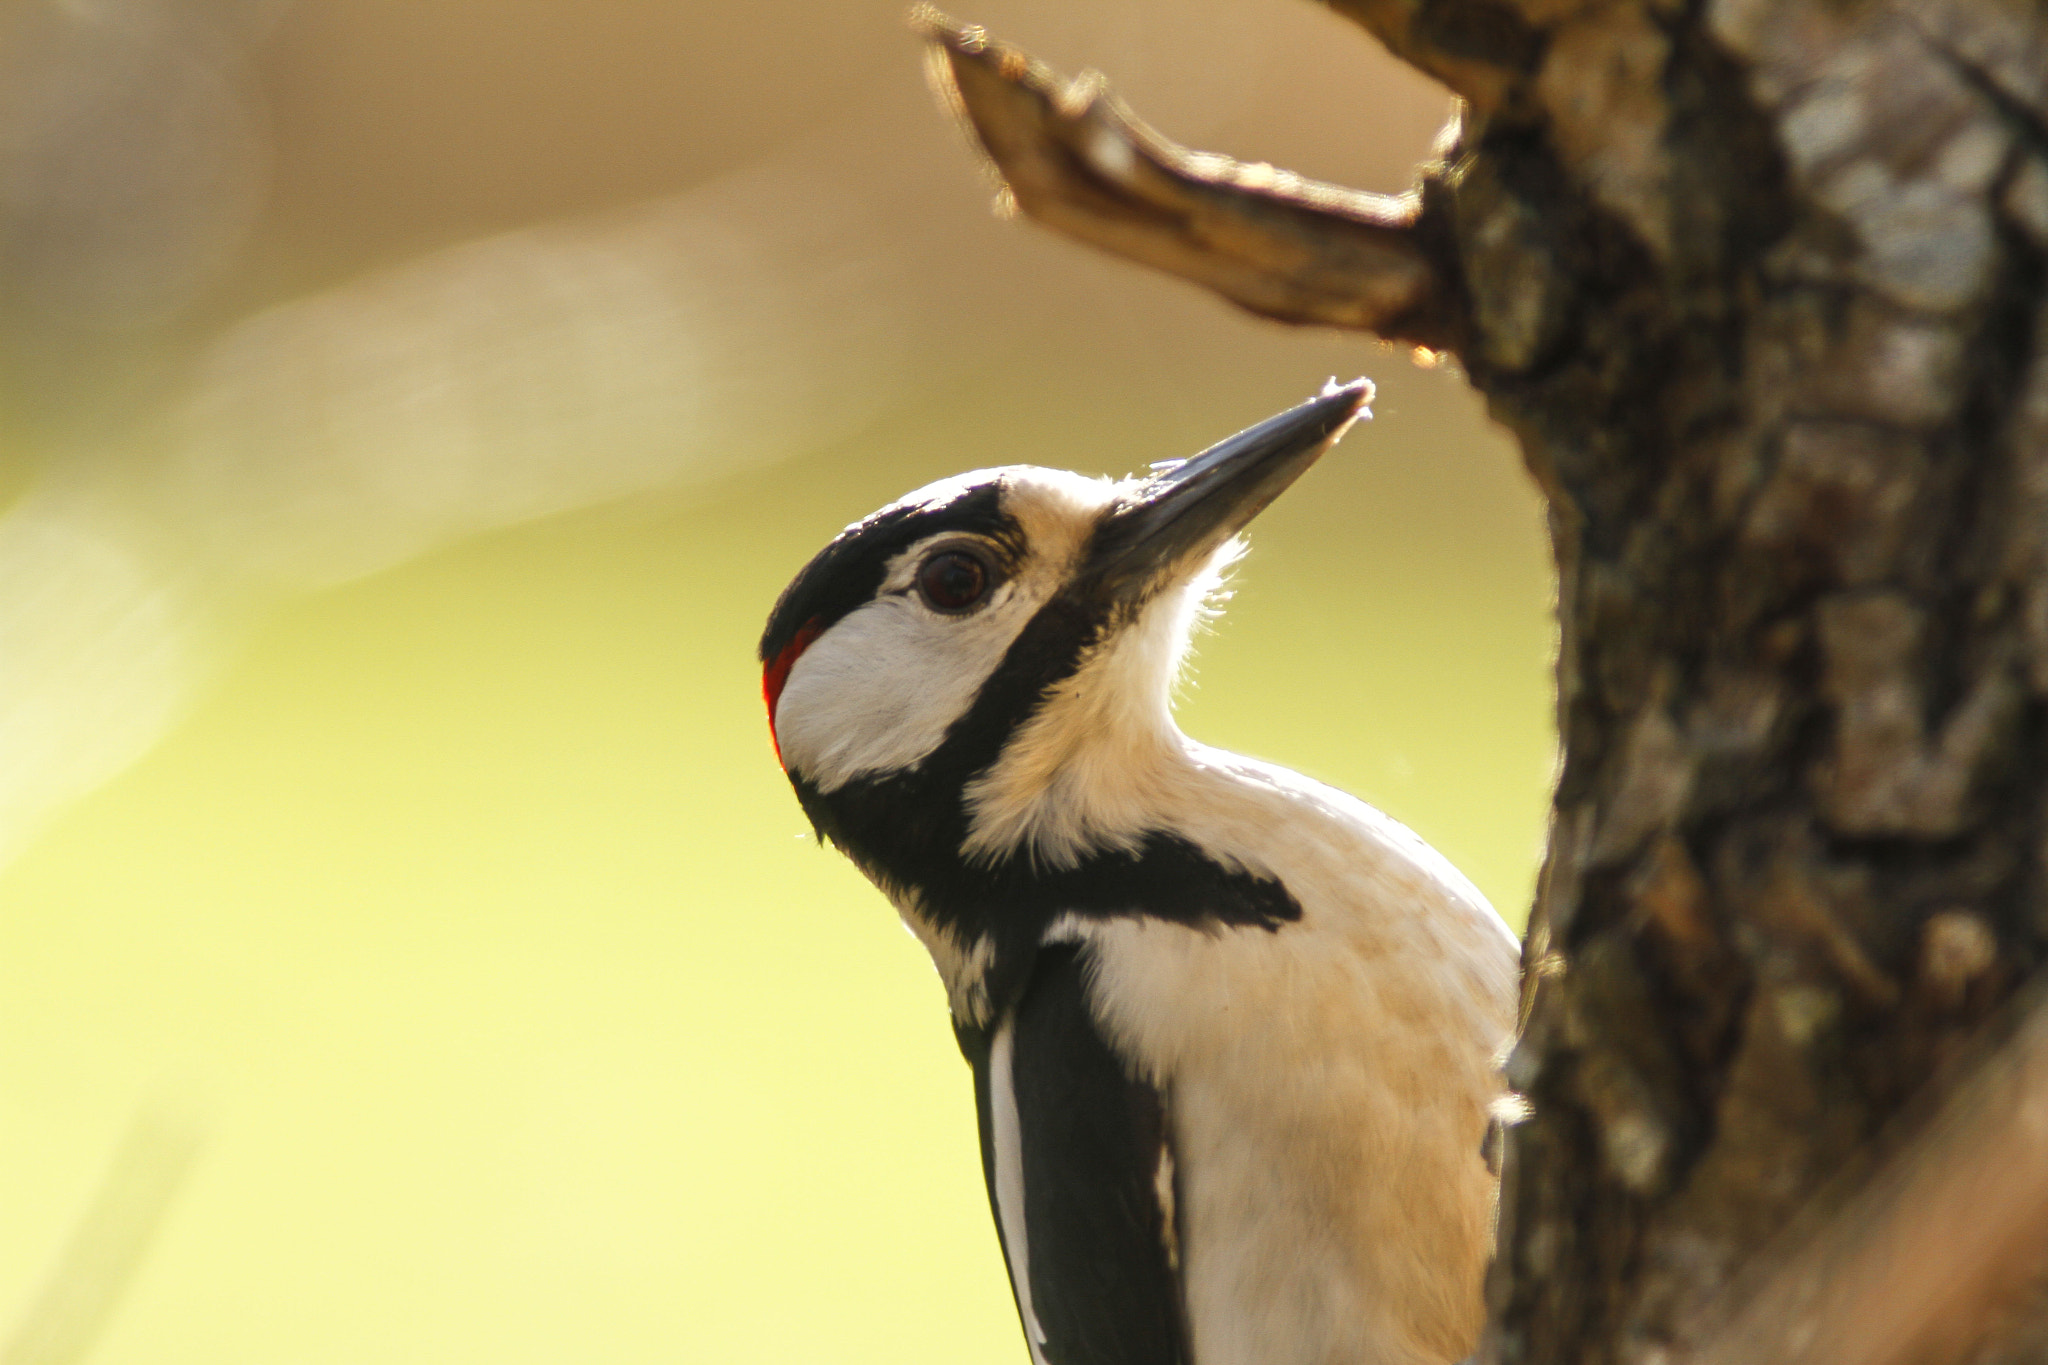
876, 692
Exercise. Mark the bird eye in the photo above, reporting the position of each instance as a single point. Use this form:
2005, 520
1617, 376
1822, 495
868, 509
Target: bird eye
953, 580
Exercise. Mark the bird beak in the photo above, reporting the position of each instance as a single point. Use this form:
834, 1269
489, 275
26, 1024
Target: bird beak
1182, 514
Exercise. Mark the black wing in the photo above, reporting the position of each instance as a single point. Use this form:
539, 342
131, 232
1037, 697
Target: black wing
1080, 1172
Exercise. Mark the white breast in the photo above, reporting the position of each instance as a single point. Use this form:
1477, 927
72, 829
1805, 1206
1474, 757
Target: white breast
1328, 1082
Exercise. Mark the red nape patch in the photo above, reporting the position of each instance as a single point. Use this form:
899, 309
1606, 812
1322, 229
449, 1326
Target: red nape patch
777, 673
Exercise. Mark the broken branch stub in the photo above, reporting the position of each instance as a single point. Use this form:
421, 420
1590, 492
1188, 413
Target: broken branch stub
1938, 1257
1070, 156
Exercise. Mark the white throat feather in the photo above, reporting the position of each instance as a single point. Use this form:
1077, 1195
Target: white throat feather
1086, 770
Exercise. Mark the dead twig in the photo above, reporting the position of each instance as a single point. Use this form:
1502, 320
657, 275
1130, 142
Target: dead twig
1070, 156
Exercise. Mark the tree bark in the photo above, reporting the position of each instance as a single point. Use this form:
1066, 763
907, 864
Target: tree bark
1759, 285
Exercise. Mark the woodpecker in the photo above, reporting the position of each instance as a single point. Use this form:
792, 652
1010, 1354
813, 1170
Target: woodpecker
1235, 1035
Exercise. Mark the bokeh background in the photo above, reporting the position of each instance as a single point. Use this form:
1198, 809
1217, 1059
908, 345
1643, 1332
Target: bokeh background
409, 950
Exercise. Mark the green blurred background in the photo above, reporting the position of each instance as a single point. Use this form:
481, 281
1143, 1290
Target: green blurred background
411, 409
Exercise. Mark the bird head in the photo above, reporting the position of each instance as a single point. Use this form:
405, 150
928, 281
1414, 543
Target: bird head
1005, 639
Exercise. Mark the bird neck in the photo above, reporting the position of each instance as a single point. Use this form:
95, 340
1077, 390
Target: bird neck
1065, 829
1055, 795
1086, 769
1079, 778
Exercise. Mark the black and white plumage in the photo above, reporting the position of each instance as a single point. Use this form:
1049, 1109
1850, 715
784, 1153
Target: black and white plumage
1235, 1035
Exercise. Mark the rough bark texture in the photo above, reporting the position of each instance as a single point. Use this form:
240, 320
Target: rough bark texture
1782, 379
1759, 284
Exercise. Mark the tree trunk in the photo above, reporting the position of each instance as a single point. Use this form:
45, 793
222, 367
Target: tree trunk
1759, 284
